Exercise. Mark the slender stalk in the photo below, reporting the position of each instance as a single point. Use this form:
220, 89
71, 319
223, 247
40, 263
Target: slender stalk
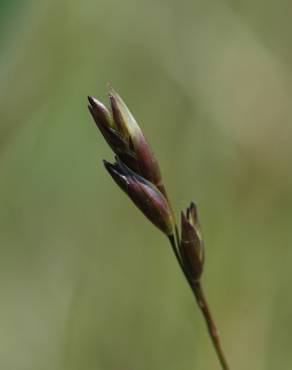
213, 332
177, 255
197, 290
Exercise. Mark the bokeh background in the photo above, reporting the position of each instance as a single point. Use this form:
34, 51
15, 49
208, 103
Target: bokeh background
86, 282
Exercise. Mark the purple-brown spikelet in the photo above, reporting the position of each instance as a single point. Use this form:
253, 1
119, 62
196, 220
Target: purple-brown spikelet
144, 195
125, 137
191, 246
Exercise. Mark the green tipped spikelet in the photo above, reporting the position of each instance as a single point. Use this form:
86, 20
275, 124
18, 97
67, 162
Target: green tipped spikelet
125, 137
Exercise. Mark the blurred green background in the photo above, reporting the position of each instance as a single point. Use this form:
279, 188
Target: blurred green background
86, 282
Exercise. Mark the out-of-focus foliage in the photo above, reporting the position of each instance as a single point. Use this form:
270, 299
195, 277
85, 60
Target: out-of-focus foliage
86, 283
